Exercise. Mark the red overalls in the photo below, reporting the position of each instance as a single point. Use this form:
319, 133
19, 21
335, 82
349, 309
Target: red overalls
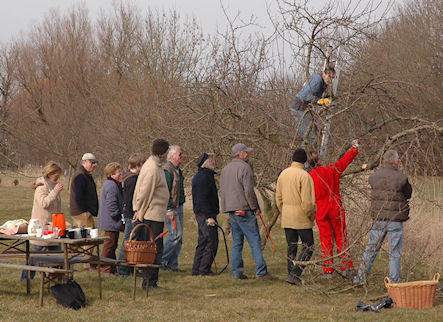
330, 216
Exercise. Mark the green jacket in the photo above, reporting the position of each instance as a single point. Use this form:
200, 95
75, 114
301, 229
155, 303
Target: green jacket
175, 181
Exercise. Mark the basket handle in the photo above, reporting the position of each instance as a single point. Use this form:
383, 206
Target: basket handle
387, 281
138, 226
436, 277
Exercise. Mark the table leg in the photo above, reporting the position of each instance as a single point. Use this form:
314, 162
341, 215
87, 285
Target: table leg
135, 282
66, 257
42, 285
99, 271
28, 273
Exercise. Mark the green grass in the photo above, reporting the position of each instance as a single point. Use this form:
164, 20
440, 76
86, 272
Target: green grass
189, 298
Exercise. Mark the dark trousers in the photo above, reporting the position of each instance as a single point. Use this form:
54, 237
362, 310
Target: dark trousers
307, 239
142, 234
109, 247
207, 246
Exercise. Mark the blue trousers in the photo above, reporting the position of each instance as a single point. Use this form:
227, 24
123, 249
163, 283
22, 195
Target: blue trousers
173, 244
31, 261
241, 227
379, 230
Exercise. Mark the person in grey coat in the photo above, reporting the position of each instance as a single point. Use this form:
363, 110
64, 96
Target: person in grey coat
390, 194
110, 212
239, 200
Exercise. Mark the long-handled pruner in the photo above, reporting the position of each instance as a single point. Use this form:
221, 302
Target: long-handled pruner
161, 235
227, 253
267, 232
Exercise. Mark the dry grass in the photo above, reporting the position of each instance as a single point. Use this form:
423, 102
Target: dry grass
218, 298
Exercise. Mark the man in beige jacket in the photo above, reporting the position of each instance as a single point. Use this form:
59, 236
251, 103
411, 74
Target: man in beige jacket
295, 197
151, 196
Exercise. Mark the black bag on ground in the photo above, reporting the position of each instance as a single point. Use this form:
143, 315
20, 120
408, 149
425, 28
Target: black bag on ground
69, 295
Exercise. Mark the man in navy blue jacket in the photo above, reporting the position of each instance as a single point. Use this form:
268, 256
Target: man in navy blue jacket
206, 209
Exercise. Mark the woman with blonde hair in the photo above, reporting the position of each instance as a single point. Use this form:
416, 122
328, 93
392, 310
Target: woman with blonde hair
47, 200
110, 211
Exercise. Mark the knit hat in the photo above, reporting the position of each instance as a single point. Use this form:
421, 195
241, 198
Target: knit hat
201, 159
299, 156
159, 146
239, 147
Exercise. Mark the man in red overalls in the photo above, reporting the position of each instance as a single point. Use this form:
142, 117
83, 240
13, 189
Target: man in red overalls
330, 216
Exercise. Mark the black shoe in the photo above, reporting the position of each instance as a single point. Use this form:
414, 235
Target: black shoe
178, 270
293, 280
156, 287
165, 268
241, 277
210, 273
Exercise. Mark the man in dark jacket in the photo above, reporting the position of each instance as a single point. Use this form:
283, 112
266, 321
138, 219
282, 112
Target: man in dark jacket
83, 196
239, 200
390, 196
129, 180
206, 208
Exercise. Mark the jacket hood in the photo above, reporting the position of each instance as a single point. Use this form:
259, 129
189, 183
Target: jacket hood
40, 181
127, 175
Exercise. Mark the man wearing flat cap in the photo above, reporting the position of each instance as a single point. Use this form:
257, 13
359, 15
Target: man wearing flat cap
239, 200
206, 209
151, 196
83, 196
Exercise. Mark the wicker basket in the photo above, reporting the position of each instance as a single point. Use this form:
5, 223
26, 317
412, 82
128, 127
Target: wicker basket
413, 295
140, 252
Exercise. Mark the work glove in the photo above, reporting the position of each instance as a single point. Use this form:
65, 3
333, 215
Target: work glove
323, 101
355, 143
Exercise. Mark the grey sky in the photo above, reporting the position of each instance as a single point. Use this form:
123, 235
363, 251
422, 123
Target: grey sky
20, 15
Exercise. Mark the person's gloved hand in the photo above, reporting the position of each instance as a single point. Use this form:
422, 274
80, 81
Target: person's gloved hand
355, 143
323, 101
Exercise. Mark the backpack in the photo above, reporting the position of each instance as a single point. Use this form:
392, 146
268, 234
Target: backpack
69, 295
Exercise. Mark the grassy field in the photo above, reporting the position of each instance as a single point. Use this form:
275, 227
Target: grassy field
189, 298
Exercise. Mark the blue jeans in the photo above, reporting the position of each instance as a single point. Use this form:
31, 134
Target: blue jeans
379, 230
303, 120
246, 226
173, 244
122, 270
31, 261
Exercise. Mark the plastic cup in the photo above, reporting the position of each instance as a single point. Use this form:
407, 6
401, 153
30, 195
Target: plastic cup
94, 233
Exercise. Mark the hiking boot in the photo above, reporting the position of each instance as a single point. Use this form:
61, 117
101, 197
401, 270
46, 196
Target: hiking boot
293, 280
241, 277
267, 277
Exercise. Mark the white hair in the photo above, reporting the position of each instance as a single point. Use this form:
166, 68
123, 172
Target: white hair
390, 157
172, 150
207, 163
